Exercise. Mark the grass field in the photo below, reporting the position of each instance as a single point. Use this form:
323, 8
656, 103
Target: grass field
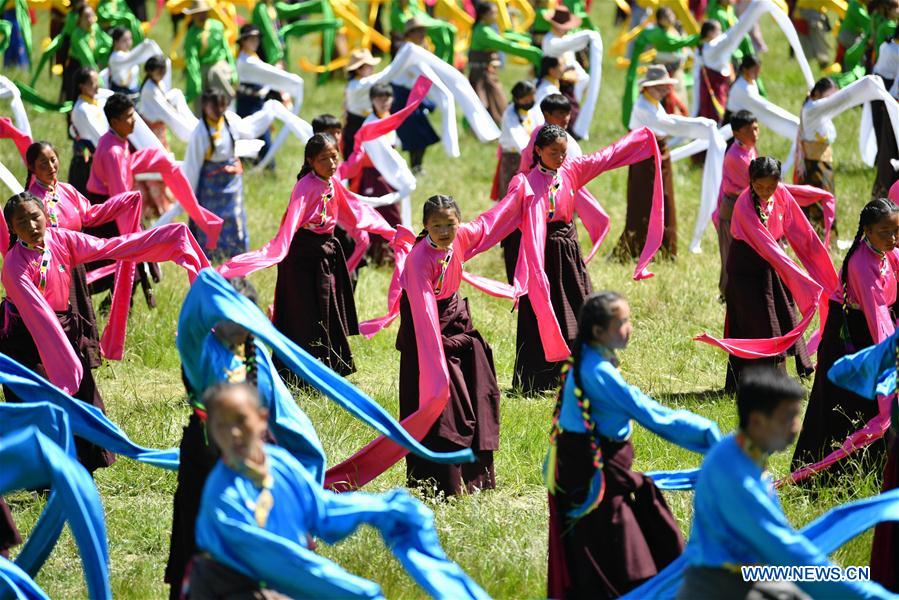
499, 537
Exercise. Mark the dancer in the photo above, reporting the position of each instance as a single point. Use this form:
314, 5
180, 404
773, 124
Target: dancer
764, 286
87, 124
594, 495
520, 120
722, 12
737, 517
713, 83
163, 106
735, 179
251, 96
41, 331
860, 315
744, 94
406, 15
126, 60
314, 303
209, 62
262, 500
416, 133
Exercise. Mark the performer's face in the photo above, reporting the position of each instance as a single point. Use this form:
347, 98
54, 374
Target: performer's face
775, 432
884, 234
748, 135
441, 226
250, 44
617, 335
214, 110
29, 222
90, 87
123, 125
764, 187
46, 166
527, 102
326, 162
489, 17
337, 134
381, 105
125, 42
87, 18
237, 426
560, 118
553, 154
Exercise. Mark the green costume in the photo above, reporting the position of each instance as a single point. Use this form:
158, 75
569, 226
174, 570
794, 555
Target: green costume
855, 23
204, 47
5, 31
579, 9
90, 48
270, 40
441, 33
726, 16
116, 13
327, 25
651, 37
880, 29
484, 38
24, 19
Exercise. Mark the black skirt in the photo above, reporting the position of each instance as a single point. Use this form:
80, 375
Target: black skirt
569, 286
80, 165
885, 548
314, 303
415, 132
354, 123
832, 412
17, 343
624, 541
9, 534
758, 306
471, 416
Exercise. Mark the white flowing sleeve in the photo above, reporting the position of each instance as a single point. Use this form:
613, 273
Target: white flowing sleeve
557, 46
170, 108
120, 63
9, 91
194, 156
250, 69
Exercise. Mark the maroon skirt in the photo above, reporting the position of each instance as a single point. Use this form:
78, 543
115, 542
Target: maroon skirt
17, 343
833, 413
712, 83
885, 549
314, 303
471, 416
372, 183
486, 83
640, 181
9, 534
758, 306
569, 286
83, 309
624, 541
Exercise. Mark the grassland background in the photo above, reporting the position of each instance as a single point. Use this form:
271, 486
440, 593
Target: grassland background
499, 537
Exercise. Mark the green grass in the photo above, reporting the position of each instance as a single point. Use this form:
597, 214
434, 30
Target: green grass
499, 537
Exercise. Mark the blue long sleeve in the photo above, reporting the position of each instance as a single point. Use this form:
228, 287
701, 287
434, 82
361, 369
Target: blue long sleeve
869, 372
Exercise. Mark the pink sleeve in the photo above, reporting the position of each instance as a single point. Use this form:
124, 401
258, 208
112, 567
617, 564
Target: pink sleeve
433, 378
275, 249
807, 245
594, 218
117, 170
353, 215
124, 208
352, 166
57, 355
402, 245
866, 286
636, 146
171, 242
495, 224
21, 139
156, 161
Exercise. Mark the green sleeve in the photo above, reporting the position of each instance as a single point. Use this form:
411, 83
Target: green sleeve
885, 31
849, 76
24, 20
855, 54
664, 41
103, 47
271, 43
630, 80
856, 20
115, 14
517, 37
192, 64
289, 12
486, 38
5, 31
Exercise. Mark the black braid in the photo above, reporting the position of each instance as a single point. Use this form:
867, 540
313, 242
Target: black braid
761, 168
249, 350
9, 211
546, 136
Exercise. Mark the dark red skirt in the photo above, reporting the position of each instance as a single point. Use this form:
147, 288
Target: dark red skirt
758, 306
486, 84
9, 534
833, 413
624, 541
885, 549
640, 181
372, 183
712, 83
17, 343
569, 286
471, 417
314, 303
83, 309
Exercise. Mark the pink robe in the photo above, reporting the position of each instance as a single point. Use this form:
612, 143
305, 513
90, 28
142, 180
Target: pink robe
114, 167
68, 249
21, 139
530, 275
75, 212
872, 287
810, 288
307, 209
426, 278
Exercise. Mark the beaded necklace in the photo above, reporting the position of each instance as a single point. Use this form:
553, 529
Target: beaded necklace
46, 258
553, 190
51, 203
444, 264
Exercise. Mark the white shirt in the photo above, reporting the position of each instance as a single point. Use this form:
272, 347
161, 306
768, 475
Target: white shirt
544, 89
170, 107
88, 120
887, 65
124, 67
516, 130
648, 114
253, 70
745, 96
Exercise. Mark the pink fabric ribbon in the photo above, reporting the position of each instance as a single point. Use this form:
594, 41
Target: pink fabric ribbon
22, 140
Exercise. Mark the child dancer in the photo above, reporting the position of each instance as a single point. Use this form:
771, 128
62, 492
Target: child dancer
416, 133
87, 124
356, 100
163, 106
314, 303
595, 497
860, 315
40, 330
126, 60
520, 119
734, 180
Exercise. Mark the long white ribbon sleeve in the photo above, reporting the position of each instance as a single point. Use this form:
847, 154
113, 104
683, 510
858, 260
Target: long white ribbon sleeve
557, 46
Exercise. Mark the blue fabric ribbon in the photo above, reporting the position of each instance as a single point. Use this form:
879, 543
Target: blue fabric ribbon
212, 299
86, 421
29, 459
828, 532
868, 373
680, 480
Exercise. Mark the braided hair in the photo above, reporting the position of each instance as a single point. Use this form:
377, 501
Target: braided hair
872, 213
154, 63
432, 205
546, 136
762, 168
825, 84
9, 212
315, 146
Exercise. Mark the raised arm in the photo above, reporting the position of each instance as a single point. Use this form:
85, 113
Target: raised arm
157, 106
494, 225
136, 56
634, 147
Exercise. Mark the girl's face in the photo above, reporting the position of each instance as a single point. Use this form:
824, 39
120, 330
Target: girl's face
156, 76
325, 162
381, 104
214, 111
87, 18
441, 226
752, 74
364, 71
553, 155
764, 187
825, 94
125, 42
884, 234
250, 45
617, 335
657, 92
29, 223
90, 87
489, 17
46, 166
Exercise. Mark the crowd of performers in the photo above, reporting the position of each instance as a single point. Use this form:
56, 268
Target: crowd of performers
254, 489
